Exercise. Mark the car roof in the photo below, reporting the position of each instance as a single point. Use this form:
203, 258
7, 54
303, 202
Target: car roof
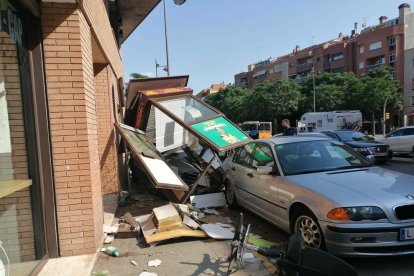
294, 139
340, 131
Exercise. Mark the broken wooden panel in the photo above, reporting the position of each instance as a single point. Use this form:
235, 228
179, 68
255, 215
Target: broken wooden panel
153, 235
150, 160
166, 216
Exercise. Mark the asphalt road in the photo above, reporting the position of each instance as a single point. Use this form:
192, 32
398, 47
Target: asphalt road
400, 265
378, 266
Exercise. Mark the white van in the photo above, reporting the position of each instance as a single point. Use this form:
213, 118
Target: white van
332, 120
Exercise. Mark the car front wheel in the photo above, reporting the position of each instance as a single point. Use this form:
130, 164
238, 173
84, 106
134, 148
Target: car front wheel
305, 223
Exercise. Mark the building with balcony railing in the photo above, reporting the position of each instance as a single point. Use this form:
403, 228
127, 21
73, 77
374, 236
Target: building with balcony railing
389, 43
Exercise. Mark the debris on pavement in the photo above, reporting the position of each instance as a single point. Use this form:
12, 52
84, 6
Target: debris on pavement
165, 223
249, 257
260, 242
102, 273
190, 223
133, 263
208, 200
112, 251
154, 263
217, 231
110, 229
211, 211
109, 239
145, 273
130, 220
166, 216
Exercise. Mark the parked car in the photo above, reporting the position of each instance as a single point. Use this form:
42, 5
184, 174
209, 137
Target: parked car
365, 145
401, 141
324, 190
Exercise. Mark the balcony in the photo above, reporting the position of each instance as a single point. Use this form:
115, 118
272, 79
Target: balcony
304, 67
374, 66
326, 64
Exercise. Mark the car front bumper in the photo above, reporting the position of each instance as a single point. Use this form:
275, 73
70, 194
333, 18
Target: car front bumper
374, 239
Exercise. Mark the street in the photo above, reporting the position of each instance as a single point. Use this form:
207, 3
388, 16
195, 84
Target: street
400, 265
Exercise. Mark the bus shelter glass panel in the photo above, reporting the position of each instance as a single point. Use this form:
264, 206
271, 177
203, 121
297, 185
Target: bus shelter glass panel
187, 108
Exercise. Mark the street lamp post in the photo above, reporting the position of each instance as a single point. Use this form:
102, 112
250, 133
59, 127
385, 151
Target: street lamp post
167, 67
166, 40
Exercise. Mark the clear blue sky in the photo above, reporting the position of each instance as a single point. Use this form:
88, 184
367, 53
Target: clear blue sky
212, 40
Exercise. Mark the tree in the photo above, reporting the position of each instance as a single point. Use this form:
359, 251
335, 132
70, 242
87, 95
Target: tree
231, 101
332, 92
138, 76
273, 100
374, 90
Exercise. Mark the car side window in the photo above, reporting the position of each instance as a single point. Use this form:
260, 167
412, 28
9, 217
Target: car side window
408, 131
396, 133
262, 156
244, 155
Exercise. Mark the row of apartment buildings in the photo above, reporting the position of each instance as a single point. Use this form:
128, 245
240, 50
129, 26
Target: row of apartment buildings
390, 43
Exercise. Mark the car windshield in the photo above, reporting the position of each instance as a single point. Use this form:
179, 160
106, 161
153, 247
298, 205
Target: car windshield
353, 136
317, 156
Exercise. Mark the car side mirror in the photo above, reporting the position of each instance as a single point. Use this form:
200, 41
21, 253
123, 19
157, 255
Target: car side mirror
371, 159
263, 170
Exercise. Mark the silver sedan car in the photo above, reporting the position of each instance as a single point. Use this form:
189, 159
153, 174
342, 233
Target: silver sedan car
326, 191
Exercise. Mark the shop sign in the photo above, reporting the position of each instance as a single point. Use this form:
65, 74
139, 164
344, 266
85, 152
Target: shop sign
220, 132
11, 23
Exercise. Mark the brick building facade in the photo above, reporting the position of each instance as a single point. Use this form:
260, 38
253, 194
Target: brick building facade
61, 88
388, 43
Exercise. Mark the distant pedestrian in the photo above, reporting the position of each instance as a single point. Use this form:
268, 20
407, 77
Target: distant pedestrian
288, 130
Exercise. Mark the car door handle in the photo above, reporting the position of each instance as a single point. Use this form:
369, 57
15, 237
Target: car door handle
250, 175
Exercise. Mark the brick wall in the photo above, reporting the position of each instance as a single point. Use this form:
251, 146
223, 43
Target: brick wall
73, 126
97, 17
106, 105
16, 223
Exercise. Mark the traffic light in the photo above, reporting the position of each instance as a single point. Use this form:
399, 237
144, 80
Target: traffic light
387, 116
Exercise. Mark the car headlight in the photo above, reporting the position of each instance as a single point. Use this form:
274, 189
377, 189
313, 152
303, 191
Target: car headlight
357, 213
362, 150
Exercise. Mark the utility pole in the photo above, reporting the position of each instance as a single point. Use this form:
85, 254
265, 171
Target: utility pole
314, 94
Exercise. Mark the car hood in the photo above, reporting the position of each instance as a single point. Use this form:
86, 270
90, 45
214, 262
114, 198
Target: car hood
373, 186
364, 144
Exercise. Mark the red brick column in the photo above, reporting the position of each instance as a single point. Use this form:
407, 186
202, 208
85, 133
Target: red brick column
74, 128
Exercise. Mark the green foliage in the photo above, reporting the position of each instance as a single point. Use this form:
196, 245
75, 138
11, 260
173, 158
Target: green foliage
271, 100
232, 101
375, 88
138, 76
288, 99
333, 92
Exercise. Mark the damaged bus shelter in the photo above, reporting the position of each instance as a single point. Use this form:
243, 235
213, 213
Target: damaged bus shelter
163, 122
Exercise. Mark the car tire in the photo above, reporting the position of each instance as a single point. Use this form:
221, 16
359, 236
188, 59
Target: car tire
305, 222
230, 194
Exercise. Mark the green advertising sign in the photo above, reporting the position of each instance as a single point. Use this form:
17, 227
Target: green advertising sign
220, 131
